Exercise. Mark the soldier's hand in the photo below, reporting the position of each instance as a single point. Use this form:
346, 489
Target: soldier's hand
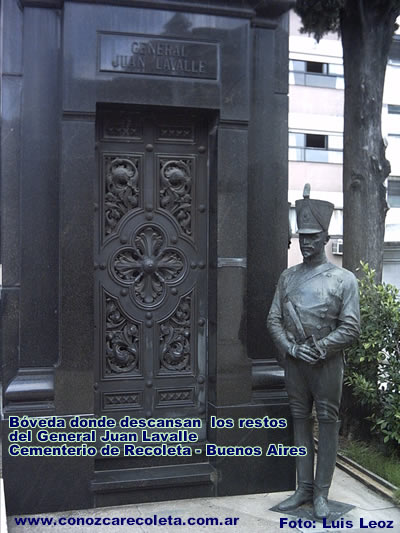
306, 353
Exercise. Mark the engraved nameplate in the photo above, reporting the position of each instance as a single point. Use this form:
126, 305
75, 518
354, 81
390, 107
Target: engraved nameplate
162, 57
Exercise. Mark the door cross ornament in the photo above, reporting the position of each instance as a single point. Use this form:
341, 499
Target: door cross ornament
148, 266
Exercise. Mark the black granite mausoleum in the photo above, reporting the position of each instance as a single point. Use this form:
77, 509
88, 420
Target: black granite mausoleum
144, 227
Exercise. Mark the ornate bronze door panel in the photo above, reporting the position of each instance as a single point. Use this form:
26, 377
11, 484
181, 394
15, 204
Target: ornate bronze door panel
151, 236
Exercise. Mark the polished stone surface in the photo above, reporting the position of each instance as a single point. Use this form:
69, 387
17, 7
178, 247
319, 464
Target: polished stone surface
232, 191
38, 482
12, 38
40, 193
267, 221
233, 367
76, 365
84, 85
263, 473
10, 332
11, 96
267, 212
49, 175
10, 191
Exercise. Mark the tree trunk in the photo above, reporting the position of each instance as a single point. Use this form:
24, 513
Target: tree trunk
367, 29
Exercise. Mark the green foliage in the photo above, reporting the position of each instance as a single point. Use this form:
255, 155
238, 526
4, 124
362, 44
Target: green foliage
373, 362
371, 457
319, 16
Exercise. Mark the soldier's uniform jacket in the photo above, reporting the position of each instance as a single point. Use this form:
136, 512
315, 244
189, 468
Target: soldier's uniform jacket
324, 299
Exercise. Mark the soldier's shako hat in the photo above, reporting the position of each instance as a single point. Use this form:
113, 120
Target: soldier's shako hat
313, 216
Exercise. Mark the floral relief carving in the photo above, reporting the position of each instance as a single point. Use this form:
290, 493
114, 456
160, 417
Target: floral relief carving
175, 338
176, 190
122, 340
148, 266
122, 189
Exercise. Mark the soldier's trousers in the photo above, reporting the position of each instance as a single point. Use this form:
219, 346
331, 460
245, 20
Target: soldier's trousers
320, 384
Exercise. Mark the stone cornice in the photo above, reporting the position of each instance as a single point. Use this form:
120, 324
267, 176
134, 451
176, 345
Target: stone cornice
252, 9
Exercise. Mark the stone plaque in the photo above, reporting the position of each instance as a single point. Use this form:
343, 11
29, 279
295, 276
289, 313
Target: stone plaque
135, 54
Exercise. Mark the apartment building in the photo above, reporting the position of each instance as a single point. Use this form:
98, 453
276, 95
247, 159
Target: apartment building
316, 94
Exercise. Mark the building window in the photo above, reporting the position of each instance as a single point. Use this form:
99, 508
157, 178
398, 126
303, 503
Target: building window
393, 192
391, 263
393, 153
394, 53
315, 148
335, 70
337, 246
394, 109
316, 141
316, 74
316, 67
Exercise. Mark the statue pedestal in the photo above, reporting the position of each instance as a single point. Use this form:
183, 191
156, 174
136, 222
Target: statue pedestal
338, 509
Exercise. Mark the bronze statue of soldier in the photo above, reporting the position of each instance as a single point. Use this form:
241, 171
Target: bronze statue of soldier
314, 315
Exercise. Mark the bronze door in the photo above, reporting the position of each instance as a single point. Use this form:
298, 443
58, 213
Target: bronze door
151, 236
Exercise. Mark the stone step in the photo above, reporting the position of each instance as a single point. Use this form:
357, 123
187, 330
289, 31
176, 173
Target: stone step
117, 487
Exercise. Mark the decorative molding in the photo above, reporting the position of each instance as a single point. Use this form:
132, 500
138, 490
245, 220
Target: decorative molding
267, 375
84, 116
31, 387
176, 190
177, 397
122, 341
175, 338
12, 75
236, 262
254, 8
169, 5
148, 266
122, 193
176, 133
122, 400
233, 124
264, 23
51, 4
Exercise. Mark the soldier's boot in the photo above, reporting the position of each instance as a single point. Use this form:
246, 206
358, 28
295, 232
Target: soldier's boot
303, 436
327, 451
